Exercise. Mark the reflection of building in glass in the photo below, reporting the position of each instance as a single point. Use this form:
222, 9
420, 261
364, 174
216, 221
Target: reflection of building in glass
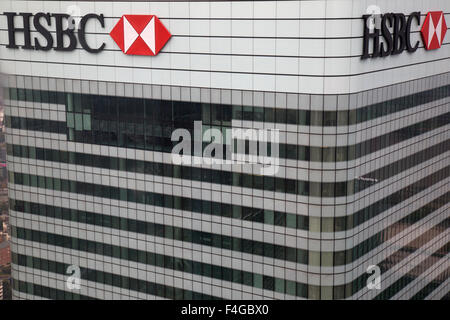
364, 159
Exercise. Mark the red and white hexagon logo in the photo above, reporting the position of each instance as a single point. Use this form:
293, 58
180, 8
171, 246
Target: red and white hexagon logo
143, 35
433, 30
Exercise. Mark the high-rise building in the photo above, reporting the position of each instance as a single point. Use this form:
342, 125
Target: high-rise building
357, 208
5, 253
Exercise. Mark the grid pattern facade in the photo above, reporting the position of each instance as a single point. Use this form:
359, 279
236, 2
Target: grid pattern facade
363, 179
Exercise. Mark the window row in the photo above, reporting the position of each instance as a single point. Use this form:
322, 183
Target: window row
129, 135
276, 218
168, 262
398, 197
302, 256
399, 255
414, 273
46, 292
182, 114
106, 278
165, 231
208, 270
41, 125
392, 230
268, 183
433, 285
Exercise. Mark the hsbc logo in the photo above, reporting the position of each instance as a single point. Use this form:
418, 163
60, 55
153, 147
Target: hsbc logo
134, 34
433, 30
66, 37
140, 35
390, 33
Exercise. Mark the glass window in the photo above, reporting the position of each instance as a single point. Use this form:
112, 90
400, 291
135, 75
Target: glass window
291, 254
330, 118
78, 121
269, 115
247, 278
292, 116
314, 224
279, 285
314, 258
341, 154
268, 283
314, 292
339, 292
280, 115
269, 217
70, 120
290, 287
342, 118
86, 122
339, 224
237, 276
315, 154
327, 224
316, 118
326, 292
280, 219
237, 112
258, 281
258, 114
226, 115
339, 258
329, 154
291, 220
216, 114
247, 113
327, 259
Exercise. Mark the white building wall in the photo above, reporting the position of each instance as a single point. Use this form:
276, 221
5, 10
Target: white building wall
311, 47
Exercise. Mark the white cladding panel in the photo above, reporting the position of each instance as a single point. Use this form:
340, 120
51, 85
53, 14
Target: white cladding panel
284, 46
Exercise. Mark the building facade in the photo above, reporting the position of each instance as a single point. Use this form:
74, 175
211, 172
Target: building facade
5, 253
359, 205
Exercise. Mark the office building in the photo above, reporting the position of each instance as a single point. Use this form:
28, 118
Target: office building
360, 95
